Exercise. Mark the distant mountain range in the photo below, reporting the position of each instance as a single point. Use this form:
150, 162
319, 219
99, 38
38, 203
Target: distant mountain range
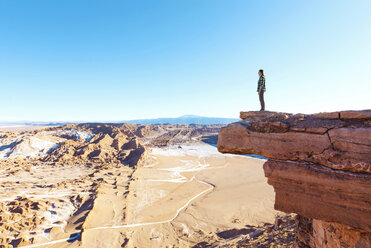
31, 123
185, 119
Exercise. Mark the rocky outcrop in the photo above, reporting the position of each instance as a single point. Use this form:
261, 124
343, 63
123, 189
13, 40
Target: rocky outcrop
336, 143
318, 233
109, 145
319, 166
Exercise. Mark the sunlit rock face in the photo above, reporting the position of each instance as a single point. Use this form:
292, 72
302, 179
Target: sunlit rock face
319, 166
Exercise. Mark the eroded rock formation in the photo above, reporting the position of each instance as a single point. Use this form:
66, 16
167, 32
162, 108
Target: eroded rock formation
319, 166
57, 181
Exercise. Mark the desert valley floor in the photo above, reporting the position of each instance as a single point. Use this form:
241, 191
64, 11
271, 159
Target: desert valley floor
98, 185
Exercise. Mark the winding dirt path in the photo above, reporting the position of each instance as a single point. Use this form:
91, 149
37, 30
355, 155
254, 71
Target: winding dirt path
77, 235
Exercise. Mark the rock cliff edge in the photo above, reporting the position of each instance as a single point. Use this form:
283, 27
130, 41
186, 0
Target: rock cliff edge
319, 166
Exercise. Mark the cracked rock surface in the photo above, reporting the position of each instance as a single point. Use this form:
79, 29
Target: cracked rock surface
336, 143
319, 166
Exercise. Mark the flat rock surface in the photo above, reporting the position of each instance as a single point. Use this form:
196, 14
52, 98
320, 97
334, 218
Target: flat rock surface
343, 144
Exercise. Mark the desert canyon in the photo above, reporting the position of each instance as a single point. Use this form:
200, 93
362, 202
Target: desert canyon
127, 185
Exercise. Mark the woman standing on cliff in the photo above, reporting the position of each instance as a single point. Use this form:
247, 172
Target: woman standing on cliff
261, 89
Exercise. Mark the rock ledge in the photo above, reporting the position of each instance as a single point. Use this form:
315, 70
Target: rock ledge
319, 166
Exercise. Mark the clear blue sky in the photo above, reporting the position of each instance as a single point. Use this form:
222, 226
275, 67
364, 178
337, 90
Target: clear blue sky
117, 60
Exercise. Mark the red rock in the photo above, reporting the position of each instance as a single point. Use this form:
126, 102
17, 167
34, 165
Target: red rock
326, 115
297, 129
361, 114
346, 148
351, 139
318, 233
317, 192
319, 166
252, 115
318, 130
238, 139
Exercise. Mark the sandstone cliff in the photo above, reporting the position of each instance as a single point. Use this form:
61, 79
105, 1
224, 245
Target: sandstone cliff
319, 166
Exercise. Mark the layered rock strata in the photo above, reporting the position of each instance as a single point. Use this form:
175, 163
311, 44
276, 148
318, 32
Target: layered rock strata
319, 166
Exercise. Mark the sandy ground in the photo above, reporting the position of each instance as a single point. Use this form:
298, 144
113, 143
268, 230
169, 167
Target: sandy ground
69, 187
180, 197
236, 194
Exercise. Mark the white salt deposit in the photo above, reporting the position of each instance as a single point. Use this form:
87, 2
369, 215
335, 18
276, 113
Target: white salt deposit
38, 145
198, 150
80, 135
31, 147
4, 153
6, 146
